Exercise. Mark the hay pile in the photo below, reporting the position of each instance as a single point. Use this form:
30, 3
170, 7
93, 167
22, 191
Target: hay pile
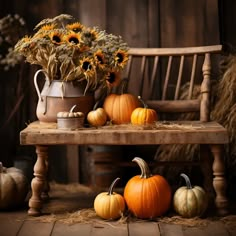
225, 109
88, 216
68, 206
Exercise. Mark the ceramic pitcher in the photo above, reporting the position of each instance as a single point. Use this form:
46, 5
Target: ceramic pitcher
58, 95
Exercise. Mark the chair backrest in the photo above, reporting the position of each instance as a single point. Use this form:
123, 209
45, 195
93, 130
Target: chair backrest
158, 74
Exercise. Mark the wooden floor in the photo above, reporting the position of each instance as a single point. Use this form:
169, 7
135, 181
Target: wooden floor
73, 215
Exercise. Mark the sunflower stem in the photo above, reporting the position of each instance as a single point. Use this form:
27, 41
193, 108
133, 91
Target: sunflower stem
124, 84
110, 191
187, 180
145, 171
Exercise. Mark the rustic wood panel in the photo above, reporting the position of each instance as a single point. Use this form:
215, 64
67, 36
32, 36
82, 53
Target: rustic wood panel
130, 20
73, 162
154, 23
92, 13
189, 23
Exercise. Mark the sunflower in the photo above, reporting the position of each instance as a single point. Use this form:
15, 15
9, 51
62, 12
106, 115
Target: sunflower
121, 58
47, 27
113, 78
73, 38
87, 67
44, 31
75, 27
89, 35
100, 59
56, 37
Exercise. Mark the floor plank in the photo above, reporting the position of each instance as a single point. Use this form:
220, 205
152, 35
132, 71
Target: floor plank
11, 222
144, 228
230, 224
216, 229
170, 229
61, 229
213, 228
109, 228
34, 228
195, 231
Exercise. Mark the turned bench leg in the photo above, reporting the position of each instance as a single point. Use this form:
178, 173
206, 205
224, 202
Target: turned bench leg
46, 188
38, 182
206, 167
219, 181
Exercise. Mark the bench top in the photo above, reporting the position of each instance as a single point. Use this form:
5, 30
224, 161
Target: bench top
181, 132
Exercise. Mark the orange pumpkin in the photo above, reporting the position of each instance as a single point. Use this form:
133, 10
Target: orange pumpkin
120, 107
143, 115
146, 195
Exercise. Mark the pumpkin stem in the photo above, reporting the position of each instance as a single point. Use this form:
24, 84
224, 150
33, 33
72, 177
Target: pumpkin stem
72, 108
187, 180
96, 105
110, 191
144, 104
145, 171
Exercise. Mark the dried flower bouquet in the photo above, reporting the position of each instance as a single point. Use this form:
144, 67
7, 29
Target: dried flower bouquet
69, 51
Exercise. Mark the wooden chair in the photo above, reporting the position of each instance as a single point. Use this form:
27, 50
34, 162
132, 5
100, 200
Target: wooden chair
157, 74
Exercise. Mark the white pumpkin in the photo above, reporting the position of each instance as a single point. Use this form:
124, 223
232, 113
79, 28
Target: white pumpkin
190, 201
13, 187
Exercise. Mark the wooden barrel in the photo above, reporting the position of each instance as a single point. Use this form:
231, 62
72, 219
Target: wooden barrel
103, 164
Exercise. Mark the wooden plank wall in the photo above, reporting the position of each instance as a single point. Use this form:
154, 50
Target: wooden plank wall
151, 23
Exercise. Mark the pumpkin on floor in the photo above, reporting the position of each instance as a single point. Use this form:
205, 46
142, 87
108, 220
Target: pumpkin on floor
143, 115
190, 201
146, 195
13, 187
109, 205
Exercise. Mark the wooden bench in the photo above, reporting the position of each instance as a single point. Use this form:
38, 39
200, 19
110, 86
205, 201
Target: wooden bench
209, 134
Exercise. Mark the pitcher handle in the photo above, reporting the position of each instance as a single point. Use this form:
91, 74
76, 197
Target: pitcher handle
36, 83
